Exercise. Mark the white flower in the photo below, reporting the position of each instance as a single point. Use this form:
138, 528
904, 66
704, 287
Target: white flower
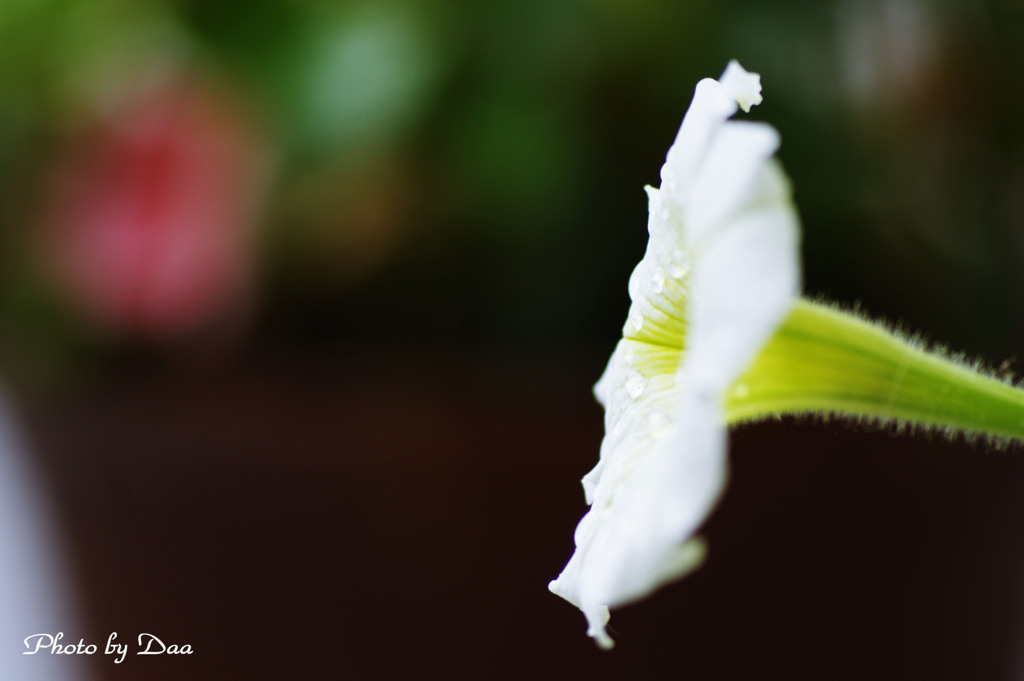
720, 273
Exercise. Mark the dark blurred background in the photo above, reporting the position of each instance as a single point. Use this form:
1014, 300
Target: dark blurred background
301, 304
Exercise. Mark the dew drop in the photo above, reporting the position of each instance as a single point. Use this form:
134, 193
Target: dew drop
635, 321
741, 390
657, 282
680, 264
635, 384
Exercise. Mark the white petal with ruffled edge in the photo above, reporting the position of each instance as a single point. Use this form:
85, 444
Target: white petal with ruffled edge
720, 273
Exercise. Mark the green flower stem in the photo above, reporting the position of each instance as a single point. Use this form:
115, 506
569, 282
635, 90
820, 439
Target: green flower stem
823, 361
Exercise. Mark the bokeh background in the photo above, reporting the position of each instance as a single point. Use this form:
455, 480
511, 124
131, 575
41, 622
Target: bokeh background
301, 304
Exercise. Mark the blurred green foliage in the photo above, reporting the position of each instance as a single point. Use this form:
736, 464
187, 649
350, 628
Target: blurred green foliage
460, 172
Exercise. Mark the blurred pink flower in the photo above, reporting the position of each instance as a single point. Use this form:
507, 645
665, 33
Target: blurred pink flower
150, 230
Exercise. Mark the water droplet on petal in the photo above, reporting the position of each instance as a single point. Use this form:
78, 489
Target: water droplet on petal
680, 264
635, 384
741, 390
635, 321
657, 282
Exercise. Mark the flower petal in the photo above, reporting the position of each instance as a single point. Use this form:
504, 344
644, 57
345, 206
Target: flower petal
745, 281
629, 554
742, 86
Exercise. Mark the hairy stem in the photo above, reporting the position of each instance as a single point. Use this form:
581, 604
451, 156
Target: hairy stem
824, 361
